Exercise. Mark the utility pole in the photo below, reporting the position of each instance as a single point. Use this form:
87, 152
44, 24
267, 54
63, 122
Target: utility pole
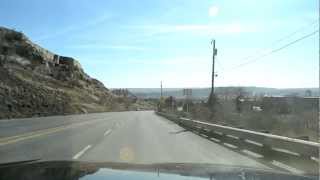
187, 93
160, 99
161, 89
214, 53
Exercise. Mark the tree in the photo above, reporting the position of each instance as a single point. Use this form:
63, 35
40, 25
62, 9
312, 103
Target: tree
212, 103
239, 99
170, 102
239, 103
308, 93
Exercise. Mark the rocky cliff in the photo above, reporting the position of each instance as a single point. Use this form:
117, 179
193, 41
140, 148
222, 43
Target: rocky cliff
37, 82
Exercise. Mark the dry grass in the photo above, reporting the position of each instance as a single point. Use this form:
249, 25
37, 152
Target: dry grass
301, 122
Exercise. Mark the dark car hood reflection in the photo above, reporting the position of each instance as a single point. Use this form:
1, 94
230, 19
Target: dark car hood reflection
65, 170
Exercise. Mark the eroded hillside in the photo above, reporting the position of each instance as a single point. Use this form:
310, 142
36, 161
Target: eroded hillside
36, 82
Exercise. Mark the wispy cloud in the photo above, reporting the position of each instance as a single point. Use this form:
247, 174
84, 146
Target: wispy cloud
213, 11
172, 61
186, 61
75, 27
105, 46
191, 61
209, 29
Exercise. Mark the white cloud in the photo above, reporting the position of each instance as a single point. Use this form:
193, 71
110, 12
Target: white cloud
204, 29
186, 61
101, 46
126, 47
175, 61
213, 11
75, 27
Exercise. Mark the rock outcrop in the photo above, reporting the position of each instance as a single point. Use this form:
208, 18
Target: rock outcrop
37, 82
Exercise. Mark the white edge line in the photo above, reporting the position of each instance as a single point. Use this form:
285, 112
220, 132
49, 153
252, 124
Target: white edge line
107, 132
289, 168
253, 142
215, 139
79, 154
230, 145
253, 154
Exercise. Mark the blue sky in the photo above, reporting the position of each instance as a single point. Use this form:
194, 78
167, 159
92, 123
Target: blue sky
139, 43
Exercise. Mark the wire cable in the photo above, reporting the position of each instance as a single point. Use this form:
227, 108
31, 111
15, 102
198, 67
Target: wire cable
275, 50
273, 43
282, 39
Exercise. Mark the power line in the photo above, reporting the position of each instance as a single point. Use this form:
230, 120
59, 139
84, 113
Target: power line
219, 64
297, 31
281, 39
275, 50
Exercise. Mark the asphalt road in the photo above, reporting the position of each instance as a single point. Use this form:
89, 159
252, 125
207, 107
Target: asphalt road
134, 137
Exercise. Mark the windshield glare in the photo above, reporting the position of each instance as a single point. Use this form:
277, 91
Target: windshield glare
231, 83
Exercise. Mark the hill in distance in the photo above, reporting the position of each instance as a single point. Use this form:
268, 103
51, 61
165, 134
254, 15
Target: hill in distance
203, 93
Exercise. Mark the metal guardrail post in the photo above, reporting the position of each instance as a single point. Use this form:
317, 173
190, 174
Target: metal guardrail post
266, 151
296, 152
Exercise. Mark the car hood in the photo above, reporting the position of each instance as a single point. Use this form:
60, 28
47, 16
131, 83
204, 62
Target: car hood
95, 171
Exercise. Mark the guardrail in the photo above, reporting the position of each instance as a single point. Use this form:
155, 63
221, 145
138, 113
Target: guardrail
299, 155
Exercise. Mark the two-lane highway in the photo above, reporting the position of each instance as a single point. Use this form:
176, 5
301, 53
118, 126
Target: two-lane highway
135, 137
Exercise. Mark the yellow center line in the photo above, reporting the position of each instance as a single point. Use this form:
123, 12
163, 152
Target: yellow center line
38, 133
